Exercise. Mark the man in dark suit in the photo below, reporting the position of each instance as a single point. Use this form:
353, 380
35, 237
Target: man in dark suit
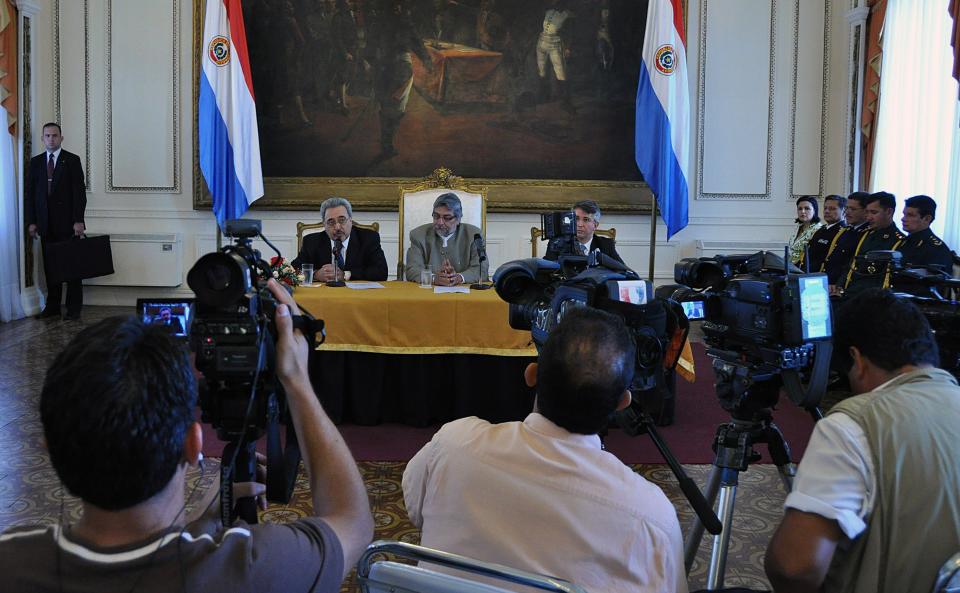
55, 199
588, 220
360, 256
847, 239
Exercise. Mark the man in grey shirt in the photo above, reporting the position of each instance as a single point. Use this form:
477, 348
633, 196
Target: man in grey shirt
446, 247
118, 408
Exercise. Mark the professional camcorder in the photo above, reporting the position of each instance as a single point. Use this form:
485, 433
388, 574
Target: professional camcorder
765, 324
233, 333
540, 292
935, 293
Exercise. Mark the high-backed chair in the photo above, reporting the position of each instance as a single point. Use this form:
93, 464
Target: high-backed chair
307, 228
416, 206
536, 237
393, 577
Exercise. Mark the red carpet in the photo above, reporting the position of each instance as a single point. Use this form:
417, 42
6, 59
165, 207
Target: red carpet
698, 413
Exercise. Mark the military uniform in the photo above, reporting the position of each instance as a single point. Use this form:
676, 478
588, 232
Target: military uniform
862, 274
838, 255
923, 248
820, 245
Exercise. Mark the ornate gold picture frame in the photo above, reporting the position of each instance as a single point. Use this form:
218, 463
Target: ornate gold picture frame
377, 189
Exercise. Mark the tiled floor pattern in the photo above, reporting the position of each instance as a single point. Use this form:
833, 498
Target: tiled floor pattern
30, 492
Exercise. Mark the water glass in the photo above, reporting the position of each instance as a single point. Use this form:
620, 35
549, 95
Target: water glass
307, 270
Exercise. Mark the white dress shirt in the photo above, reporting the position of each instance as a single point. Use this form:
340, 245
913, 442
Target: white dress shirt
535, 497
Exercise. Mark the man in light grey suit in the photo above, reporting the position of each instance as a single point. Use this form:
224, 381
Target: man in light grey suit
445, 247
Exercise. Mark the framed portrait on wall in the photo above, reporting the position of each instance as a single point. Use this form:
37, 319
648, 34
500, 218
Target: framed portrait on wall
533, 99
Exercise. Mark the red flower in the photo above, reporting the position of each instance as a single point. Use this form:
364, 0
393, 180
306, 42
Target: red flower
276, 261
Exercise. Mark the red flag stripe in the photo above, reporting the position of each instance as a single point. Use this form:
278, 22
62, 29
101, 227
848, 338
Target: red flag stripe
678, 22
238, 38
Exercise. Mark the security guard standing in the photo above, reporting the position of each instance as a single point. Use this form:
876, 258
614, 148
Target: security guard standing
922, 247
882, 236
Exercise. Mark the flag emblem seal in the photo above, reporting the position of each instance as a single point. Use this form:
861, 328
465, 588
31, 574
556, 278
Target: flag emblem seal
220, 50
664, 59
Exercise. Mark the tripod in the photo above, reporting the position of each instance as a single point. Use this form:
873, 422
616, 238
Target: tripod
733, 445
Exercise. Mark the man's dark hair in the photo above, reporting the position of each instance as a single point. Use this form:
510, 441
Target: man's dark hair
840, 200
584, 368
52, 124
886, 199
860, 197
890, 331
925, 206
816, 208
590, 207
450, 200
116, 405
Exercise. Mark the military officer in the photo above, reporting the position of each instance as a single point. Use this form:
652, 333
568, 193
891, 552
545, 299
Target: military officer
922, 247
846, 241
882, 235
826, 236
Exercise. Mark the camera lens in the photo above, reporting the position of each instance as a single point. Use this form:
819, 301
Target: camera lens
219, 279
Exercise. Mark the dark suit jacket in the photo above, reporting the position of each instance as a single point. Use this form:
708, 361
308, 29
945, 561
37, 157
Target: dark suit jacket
819, 245
365, 259
606, 247
56, 213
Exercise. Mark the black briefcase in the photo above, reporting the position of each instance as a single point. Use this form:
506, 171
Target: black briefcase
76, 259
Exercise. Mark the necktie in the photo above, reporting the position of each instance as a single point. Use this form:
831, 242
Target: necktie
583, 249
337, 253
50, 166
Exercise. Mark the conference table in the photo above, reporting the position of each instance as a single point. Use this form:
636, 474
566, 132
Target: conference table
402, 353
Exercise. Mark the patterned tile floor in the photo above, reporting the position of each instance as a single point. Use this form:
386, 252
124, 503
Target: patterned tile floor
30, 492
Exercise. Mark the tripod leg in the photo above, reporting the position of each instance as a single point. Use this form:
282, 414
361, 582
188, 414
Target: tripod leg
692, 544
721, 543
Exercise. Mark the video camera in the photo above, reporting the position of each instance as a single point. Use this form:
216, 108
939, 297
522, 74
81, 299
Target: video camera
934, 291
541, 291
765, 324
230, 327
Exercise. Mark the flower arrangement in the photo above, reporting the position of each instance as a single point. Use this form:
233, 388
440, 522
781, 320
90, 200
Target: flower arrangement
284, 273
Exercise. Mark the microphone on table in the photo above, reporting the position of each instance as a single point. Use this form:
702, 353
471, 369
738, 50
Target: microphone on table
335, 257
482, 255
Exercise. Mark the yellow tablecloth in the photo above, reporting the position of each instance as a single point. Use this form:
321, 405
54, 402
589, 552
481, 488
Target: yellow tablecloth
403, 318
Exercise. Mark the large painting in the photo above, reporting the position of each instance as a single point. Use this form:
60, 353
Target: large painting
533, 98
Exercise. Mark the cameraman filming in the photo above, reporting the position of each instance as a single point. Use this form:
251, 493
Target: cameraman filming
118, 409
874, 506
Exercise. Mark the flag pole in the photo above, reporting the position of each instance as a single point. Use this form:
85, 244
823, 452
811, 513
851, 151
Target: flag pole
653, 233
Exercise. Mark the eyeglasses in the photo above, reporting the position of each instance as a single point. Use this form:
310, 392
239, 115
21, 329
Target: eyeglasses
445, 217
333, 222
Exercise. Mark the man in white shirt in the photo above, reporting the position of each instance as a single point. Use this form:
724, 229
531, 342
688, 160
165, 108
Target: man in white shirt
542, 495
874, 504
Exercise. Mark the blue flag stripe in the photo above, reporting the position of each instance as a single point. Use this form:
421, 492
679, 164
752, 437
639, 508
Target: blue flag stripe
216, 159
655, 157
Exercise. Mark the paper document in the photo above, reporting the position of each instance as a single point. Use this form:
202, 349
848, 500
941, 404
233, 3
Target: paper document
449, 289
364, 285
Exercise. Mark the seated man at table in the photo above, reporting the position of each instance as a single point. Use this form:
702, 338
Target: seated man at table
542, 495
359, 256
588, 220
446, 247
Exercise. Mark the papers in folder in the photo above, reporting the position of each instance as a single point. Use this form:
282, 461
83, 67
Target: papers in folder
364, 285
449, 289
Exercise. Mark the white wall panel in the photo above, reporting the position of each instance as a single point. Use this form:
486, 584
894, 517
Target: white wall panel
808, 96
142, 95
72, 96
736, 54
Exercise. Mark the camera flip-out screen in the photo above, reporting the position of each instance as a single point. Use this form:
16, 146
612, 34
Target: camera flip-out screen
815, 307
174, 314
693, 310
